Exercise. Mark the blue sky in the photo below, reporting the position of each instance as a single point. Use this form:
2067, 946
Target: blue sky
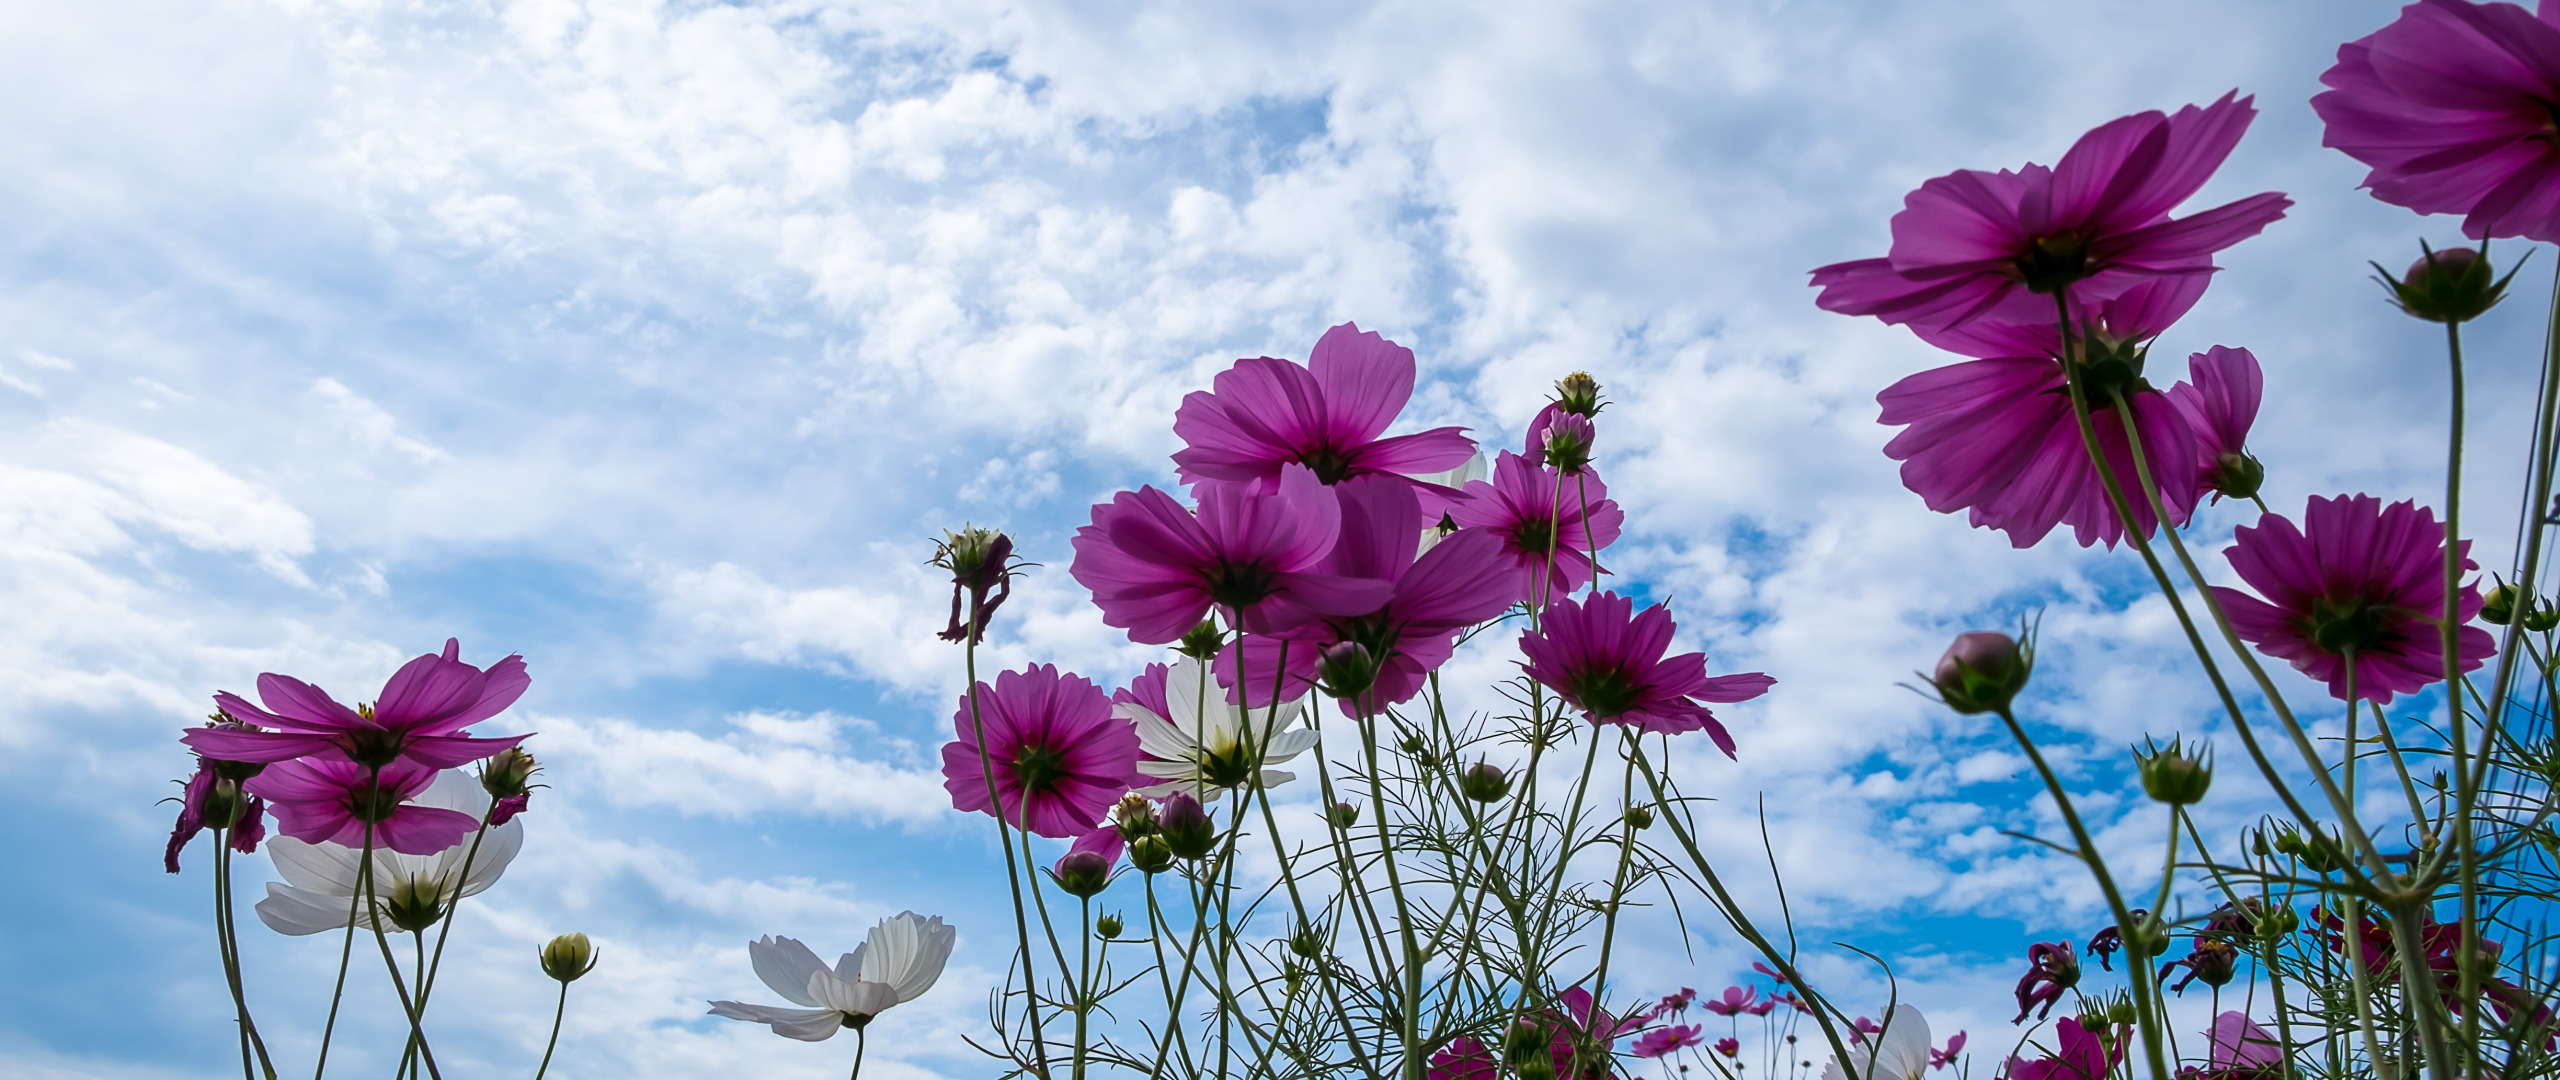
655, 341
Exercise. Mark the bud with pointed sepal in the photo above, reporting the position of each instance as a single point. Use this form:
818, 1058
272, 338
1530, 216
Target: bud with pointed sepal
1186, 827
1983, 671
2178, 776
568, 957
1484, 783
2455, 285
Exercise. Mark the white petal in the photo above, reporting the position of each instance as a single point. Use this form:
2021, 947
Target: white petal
1905, 1053
1289, 744
861, 997
908, 951
288, 910
1156, 735
1272, 778
849, 966
785, 965
455, 789
1169, 770
496, 852
319, 868
806, 1025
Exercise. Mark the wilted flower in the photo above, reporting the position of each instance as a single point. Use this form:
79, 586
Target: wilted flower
2052, 968
2082, 1055
1264, 415
213, 799
1606, 659
2451, 107
1060, 757
419, 717
506, 778
2212, 961
980, 561
321, 879
1972, 244
1675, 1004
1205, 744
1900, 1052
2360, 579
897, 963
568, 957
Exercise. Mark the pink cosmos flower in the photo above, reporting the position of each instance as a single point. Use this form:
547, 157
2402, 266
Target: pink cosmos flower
1551, 526
2451, 106
246, 830
1996, 436
1606, 659
1972, 244
1263, 415
1463, 580
1735, 1000
1729, 1047
2359, 576
326, 800
1675, 1004
1941, 1058
419, 717
1663, 1042
2242, 1050
2219, 405
2081, 1056
1061, 760
1156, 568
1463, 1058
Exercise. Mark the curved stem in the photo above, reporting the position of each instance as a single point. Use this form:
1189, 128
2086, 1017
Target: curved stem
346, 954
227, 933
861, 1042
557, 1013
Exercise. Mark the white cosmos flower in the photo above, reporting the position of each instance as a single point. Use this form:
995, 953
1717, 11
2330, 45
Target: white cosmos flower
1901, 1053
898, 962
1200, 748
319, 886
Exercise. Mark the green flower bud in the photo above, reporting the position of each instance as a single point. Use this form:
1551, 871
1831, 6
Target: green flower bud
506, 774
2498, 605
2450, 286
1418, 750
2176, 776
568, 957
1082, 874
1526, 1042
1342, 815
2315, 851
1484, 783
1306, 944
1203, 642
1150, 854
2542, 618
1346, 670
1982, 671
416, 902
1640, 817
1107, 926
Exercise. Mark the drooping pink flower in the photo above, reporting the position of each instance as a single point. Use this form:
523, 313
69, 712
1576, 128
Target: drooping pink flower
2052, 968
1606, 659
1061, 759
1662, 1042
2357, 577
1941, 1058
1463, 580
1675, 1004
1263, 415
1974, 244
2219, 403
1997, 437
1734, 1001
418, 718
2079, 1055
328, 800
1552, 526
2451, 106
1156, 568
248, 826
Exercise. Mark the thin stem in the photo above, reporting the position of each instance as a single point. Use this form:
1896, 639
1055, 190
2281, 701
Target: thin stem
861, 1042
227, 934
346, 954
557, 1012
382, 938
1004, 843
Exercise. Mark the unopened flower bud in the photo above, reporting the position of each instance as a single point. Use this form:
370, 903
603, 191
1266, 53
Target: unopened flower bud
1107, 926
415, 903
223, 804
1640, 817
2542, 618
2236, 475
1345, 669
568, 957
1578, 394
1082, 874
1342, 815
1420, 751
1134, 817
2315, 851
506, 773
1202, 642
2176, 776
1150, 854
1484, 783
1982, 671
1186, 827
1306, 944
2498, 605
1567, 442
1526, 1042
2450, 286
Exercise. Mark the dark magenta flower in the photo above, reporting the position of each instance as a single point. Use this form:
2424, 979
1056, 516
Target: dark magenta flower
1462, 581
2451, 107
1156, 568
1996, 436
213, 799
2080, 1055
1552, 526
1606, 659
2358, 577
418, 718
1263, 415
2052, 968
1463, 1058
1974, 244
1662, 1042
2219, 405
1061, 759
1675, 1004
328, 800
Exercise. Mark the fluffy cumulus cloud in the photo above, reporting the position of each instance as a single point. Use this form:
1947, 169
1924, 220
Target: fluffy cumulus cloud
655, 341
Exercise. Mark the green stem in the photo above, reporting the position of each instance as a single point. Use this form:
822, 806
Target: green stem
227, 934
557, 1013
346, 954
1004, 843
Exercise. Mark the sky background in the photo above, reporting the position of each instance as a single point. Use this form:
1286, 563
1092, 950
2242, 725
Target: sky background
656, 341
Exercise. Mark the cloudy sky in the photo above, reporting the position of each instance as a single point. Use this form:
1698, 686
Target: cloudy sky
654, 341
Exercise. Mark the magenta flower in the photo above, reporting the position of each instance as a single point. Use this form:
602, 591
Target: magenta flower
2451, 106
1061, 759
2360, 578
1463, 580
1605, 659
248, 826
1552, 526
419, 717
1156, 568
1735, 1001
2052, 968
327, 800
2219, 405
1263, 415
2241, 1050
1941, 1058
1462, 1059
2081, 1056
1729, 1047
1972, 244
1663, 1042
1675, 1004
1996, 436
